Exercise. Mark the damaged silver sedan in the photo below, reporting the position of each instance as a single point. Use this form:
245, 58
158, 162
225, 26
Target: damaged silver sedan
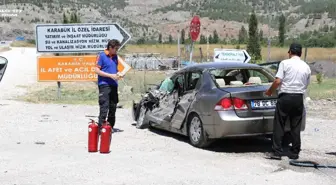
210, 101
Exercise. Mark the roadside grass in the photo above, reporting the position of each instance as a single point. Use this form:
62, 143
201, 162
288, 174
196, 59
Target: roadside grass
324, 90
171, 50
22, 44
277, 53
2, 49
86, 93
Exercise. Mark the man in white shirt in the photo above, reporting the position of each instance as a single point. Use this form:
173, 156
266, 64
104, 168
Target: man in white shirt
292, 78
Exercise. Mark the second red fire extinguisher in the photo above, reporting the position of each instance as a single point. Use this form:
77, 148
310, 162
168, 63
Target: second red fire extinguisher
105, 138
93, 137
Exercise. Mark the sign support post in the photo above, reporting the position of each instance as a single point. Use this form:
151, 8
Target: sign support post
178, 51
195, 26
191, 50
208, 48
59, 90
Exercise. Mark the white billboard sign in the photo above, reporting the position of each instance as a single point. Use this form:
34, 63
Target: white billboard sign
77, 38
5, 43
231, 55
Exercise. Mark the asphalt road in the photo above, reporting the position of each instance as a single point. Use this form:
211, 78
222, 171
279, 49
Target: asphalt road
47, 144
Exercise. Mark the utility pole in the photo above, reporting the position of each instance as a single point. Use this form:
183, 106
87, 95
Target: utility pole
208, 48
178, 50
269, 33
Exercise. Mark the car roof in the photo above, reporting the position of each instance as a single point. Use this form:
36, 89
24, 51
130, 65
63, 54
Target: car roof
207, 65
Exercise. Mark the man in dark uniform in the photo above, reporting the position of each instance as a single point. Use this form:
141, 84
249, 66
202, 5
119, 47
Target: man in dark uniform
108, 76
293, 78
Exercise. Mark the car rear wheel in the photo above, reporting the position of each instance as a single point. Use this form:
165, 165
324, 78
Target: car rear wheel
141, 119
197, 136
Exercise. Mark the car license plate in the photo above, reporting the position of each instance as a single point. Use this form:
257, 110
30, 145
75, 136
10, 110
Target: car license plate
257, 104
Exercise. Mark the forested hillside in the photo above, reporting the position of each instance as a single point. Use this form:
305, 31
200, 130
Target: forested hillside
146, 20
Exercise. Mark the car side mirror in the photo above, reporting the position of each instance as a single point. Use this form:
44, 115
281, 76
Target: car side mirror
3, 66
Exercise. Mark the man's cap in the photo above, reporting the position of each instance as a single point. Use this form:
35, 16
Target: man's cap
295, 48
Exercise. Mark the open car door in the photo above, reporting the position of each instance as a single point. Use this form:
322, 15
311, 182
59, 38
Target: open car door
271, 66
3, 66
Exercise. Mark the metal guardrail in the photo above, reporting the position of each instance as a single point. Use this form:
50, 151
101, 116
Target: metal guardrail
148, 61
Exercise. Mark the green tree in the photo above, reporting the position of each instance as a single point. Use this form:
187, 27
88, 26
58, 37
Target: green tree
215, 37
72, 18
160, 38
261, 36
141, 41
203, 39
77, 19
307, 23
170, 39
253, 45
189, 38
210, 39
182, 36
242, 36
65, 19
282, 22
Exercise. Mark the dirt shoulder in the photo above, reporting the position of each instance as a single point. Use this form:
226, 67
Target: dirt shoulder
3, 49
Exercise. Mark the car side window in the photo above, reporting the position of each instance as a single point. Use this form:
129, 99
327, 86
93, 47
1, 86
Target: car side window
255, 73
179, 82
192, 80
237, 74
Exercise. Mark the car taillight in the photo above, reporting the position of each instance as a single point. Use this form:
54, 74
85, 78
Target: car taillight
239, 103
230, 104
226, 103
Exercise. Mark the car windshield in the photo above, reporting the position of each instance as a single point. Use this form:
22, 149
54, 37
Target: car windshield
241, 77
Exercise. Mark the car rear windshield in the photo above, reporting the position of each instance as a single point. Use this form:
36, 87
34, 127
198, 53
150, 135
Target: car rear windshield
241, 77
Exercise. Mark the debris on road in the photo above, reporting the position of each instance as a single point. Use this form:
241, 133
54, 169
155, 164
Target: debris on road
90, 116
40, 143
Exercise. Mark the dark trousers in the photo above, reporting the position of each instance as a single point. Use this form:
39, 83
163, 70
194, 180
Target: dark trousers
289, 106
108, 100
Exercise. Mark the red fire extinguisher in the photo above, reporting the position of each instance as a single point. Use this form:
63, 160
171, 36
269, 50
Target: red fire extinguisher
93, 137
105, 137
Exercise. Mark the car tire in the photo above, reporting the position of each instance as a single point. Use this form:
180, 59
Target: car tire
134, 110
196, 133
141, 121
